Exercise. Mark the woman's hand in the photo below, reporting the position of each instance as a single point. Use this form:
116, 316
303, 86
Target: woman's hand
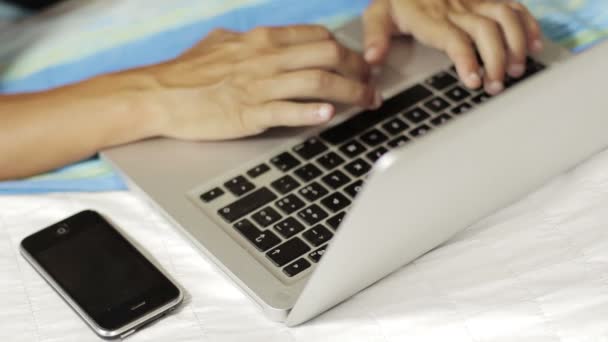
503, 32
239, 84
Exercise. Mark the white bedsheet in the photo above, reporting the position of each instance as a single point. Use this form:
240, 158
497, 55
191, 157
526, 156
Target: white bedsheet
536, 271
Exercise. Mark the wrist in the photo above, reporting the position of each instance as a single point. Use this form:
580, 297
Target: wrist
137, 99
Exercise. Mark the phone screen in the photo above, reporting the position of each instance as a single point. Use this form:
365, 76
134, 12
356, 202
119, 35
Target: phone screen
100, 270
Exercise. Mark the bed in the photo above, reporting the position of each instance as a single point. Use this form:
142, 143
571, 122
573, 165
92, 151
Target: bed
534, 271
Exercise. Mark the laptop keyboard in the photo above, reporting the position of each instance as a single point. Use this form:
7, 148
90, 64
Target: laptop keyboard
288, 220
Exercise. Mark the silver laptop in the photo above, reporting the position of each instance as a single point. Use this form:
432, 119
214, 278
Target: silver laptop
300, 220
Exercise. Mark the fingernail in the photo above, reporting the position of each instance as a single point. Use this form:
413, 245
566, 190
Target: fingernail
516, 70
537, 46
371, 54
474, 80
324, 113
377, 100
495, 87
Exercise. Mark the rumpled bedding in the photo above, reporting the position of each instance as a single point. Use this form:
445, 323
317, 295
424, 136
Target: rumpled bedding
535, 271
81, 38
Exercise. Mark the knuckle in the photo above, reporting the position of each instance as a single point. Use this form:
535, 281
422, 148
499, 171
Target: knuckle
517, 5
362, 95
336, 52
249, 122
485, 25
503, 10
458, 40
218, 32
262, 34
323, 32
321, 80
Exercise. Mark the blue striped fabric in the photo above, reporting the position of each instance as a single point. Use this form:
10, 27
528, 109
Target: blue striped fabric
575, 24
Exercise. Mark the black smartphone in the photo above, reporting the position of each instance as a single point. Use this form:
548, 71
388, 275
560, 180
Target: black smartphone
33, 4
106, 280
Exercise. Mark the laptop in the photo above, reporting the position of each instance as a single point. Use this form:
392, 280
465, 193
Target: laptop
302, 219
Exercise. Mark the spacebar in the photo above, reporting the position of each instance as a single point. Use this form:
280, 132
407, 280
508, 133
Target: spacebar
247, 204
361, 122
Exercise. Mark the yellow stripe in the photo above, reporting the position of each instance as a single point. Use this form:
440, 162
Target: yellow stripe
63, 47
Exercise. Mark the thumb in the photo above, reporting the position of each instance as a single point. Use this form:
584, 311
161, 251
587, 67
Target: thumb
378, 28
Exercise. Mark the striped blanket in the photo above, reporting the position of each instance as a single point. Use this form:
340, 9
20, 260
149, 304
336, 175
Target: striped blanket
80, 39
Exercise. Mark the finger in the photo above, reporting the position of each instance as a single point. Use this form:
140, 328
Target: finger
318, 85
457, 45
289, 35
291, 114
533, 30
378, 28
214, 37
442, 35
514, 34
491, 46
328, 55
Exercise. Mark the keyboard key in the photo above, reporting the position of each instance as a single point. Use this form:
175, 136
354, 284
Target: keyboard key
416, 115
313, 191
374, 137
441, 119
420, 131
285, 184
395, 126
296, 268
353, 148
335, 202
258, 170
336, 220
399, 141
317, 235
374, 155
287, 252
308, 172
289, 227
358, 167
317, 254
211, 195
481, 98
461, 108
239, 185
310, 148
290, 204
262, 240
284, 161
353, 189
247, 204
313, 214
266, 217
363, 121
441, 80
336, 179
330, 161
510, 81
437, 104
457, 94
533, 66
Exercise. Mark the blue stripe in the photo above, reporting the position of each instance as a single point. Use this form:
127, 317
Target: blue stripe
102, 183
171, 43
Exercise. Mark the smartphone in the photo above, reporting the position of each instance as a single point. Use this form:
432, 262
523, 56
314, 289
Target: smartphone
108, 281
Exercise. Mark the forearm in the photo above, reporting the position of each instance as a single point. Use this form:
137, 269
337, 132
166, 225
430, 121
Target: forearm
42, 131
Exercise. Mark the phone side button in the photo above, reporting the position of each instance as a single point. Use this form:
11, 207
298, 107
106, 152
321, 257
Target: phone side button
128, 333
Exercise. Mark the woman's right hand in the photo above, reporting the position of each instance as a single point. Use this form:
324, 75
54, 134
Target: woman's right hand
233, 85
